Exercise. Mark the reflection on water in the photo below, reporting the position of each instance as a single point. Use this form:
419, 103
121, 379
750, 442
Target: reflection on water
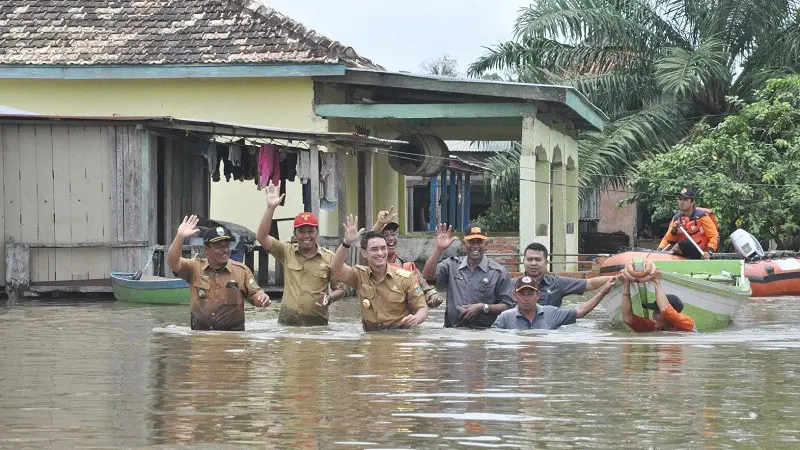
108, 374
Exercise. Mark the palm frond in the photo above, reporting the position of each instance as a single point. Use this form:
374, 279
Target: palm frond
605, 155
503, 172
628, 24
680, 72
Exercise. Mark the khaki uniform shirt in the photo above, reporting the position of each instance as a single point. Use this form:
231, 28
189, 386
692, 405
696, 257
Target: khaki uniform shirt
305, 279
218, 296
385, 302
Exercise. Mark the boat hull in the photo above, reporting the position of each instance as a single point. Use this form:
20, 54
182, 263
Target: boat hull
150, 290
768, 278
709, 296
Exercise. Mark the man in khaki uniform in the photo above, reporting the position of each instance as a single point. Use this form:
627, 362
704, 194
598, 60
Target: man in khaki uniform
307, 267
391, 296
385, 224
218, 284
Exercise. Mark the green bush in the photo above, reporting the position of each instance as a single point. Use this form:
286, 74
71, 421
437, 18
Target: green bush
504, 219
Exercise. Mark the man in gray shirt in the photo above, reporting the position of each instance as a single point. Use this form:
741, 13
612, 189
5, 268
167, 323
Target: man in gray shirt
529, 314
478, 289
553, 288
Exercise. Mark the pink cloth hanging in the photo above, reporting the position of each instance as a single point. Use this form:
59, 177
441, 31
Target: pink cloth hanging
268, 165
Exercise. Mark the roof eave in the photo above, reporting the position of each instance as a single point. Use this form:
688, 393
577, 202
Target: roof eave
565, 95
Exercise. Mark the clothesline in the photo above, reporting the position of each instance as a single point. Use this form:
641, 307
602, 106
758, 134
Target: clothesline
271, 162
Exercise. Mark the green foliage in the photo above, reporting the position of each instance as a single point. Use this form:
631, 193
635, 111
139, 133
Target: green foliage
656, 67
503, 173
504, 218
747, 168
442, 65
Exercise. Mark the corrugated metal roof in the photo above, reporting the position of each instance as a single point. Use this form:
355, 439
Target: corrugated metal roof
211, 128
478, 146
14, 111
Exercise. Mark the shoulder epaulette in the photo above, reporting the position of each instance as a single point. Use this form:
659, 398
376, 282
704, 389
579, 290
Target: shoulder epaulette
237, 263
402, 272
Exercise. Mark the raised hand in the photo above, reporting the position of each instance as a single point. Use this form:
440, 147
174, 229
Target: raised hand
384, 217
351, 232
656, 274
444, 236
188, 227
274, 196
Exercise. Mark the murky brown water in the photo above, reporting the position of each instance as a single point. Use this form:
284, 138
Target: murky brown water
77, 374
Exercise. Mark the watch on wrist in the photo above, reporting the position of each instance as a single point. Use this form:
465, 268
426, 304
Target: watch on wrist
486, 308
346, 245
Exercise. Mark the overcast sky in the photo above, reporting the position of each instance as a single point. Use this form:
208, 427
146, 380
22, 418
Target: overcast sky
400, 35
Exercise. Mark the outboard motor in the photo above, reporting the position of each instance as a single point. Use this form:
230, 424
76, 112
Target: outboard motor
746, 245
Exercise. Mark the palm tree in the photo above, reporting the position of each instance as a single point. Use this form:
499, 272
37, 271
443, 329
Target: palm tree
655, 67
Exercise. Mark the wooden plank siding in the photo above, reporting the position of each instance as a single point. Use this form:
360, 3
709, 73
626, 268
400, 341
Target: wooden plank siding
2, 203
79, 208
62, 201
84, 196
11, 187
94, 146
43, 261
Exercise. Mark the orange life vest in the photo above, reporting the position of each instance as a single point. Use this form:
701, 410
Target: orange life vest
694, 229
409, 266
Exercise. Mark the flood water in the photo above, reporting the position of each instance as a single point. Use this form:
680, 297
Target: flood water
104, 374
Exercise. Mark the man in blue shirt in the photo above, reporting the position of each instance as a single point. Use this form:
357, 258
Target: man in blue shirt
528, 314
554, 288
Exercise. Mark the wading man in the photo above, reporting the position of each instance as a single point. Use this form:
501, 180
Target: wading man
667, 309
307, 267
390, 296
529, 314
553, 288
218, 284
478, 289
385, 224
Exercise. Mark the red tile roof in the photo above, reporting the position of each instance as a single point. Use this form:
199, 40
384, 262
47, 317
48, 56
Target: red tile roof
157, 32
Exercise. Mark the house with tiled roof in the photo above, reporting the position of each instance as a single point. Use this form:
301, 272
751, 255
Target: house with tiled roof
240, 62
224, 60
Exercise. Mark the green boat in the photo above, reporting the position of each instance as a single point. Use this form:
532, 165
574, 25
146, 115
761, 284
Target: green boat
150, 289
712, 291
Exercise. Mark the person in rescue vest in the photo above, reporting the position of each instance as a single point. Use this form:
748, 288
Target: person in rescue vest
699, 223
385, 224
667, 315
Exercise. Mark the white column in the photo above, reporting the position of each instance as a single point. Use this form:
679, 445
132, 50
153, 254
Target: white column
558, 223
572, 201
527, 184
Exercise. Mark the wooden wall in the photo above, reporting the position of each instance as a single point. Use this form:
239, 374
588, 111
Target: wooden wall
85, 196
56, 182
187, 185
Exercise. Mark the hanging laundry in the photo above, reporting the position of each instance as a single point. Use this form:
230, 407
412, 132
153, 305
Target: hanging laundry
268, 165
209, 150
235, 154
249, 163
222, 156
304, 166
288, 166
328, 189
307, 197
